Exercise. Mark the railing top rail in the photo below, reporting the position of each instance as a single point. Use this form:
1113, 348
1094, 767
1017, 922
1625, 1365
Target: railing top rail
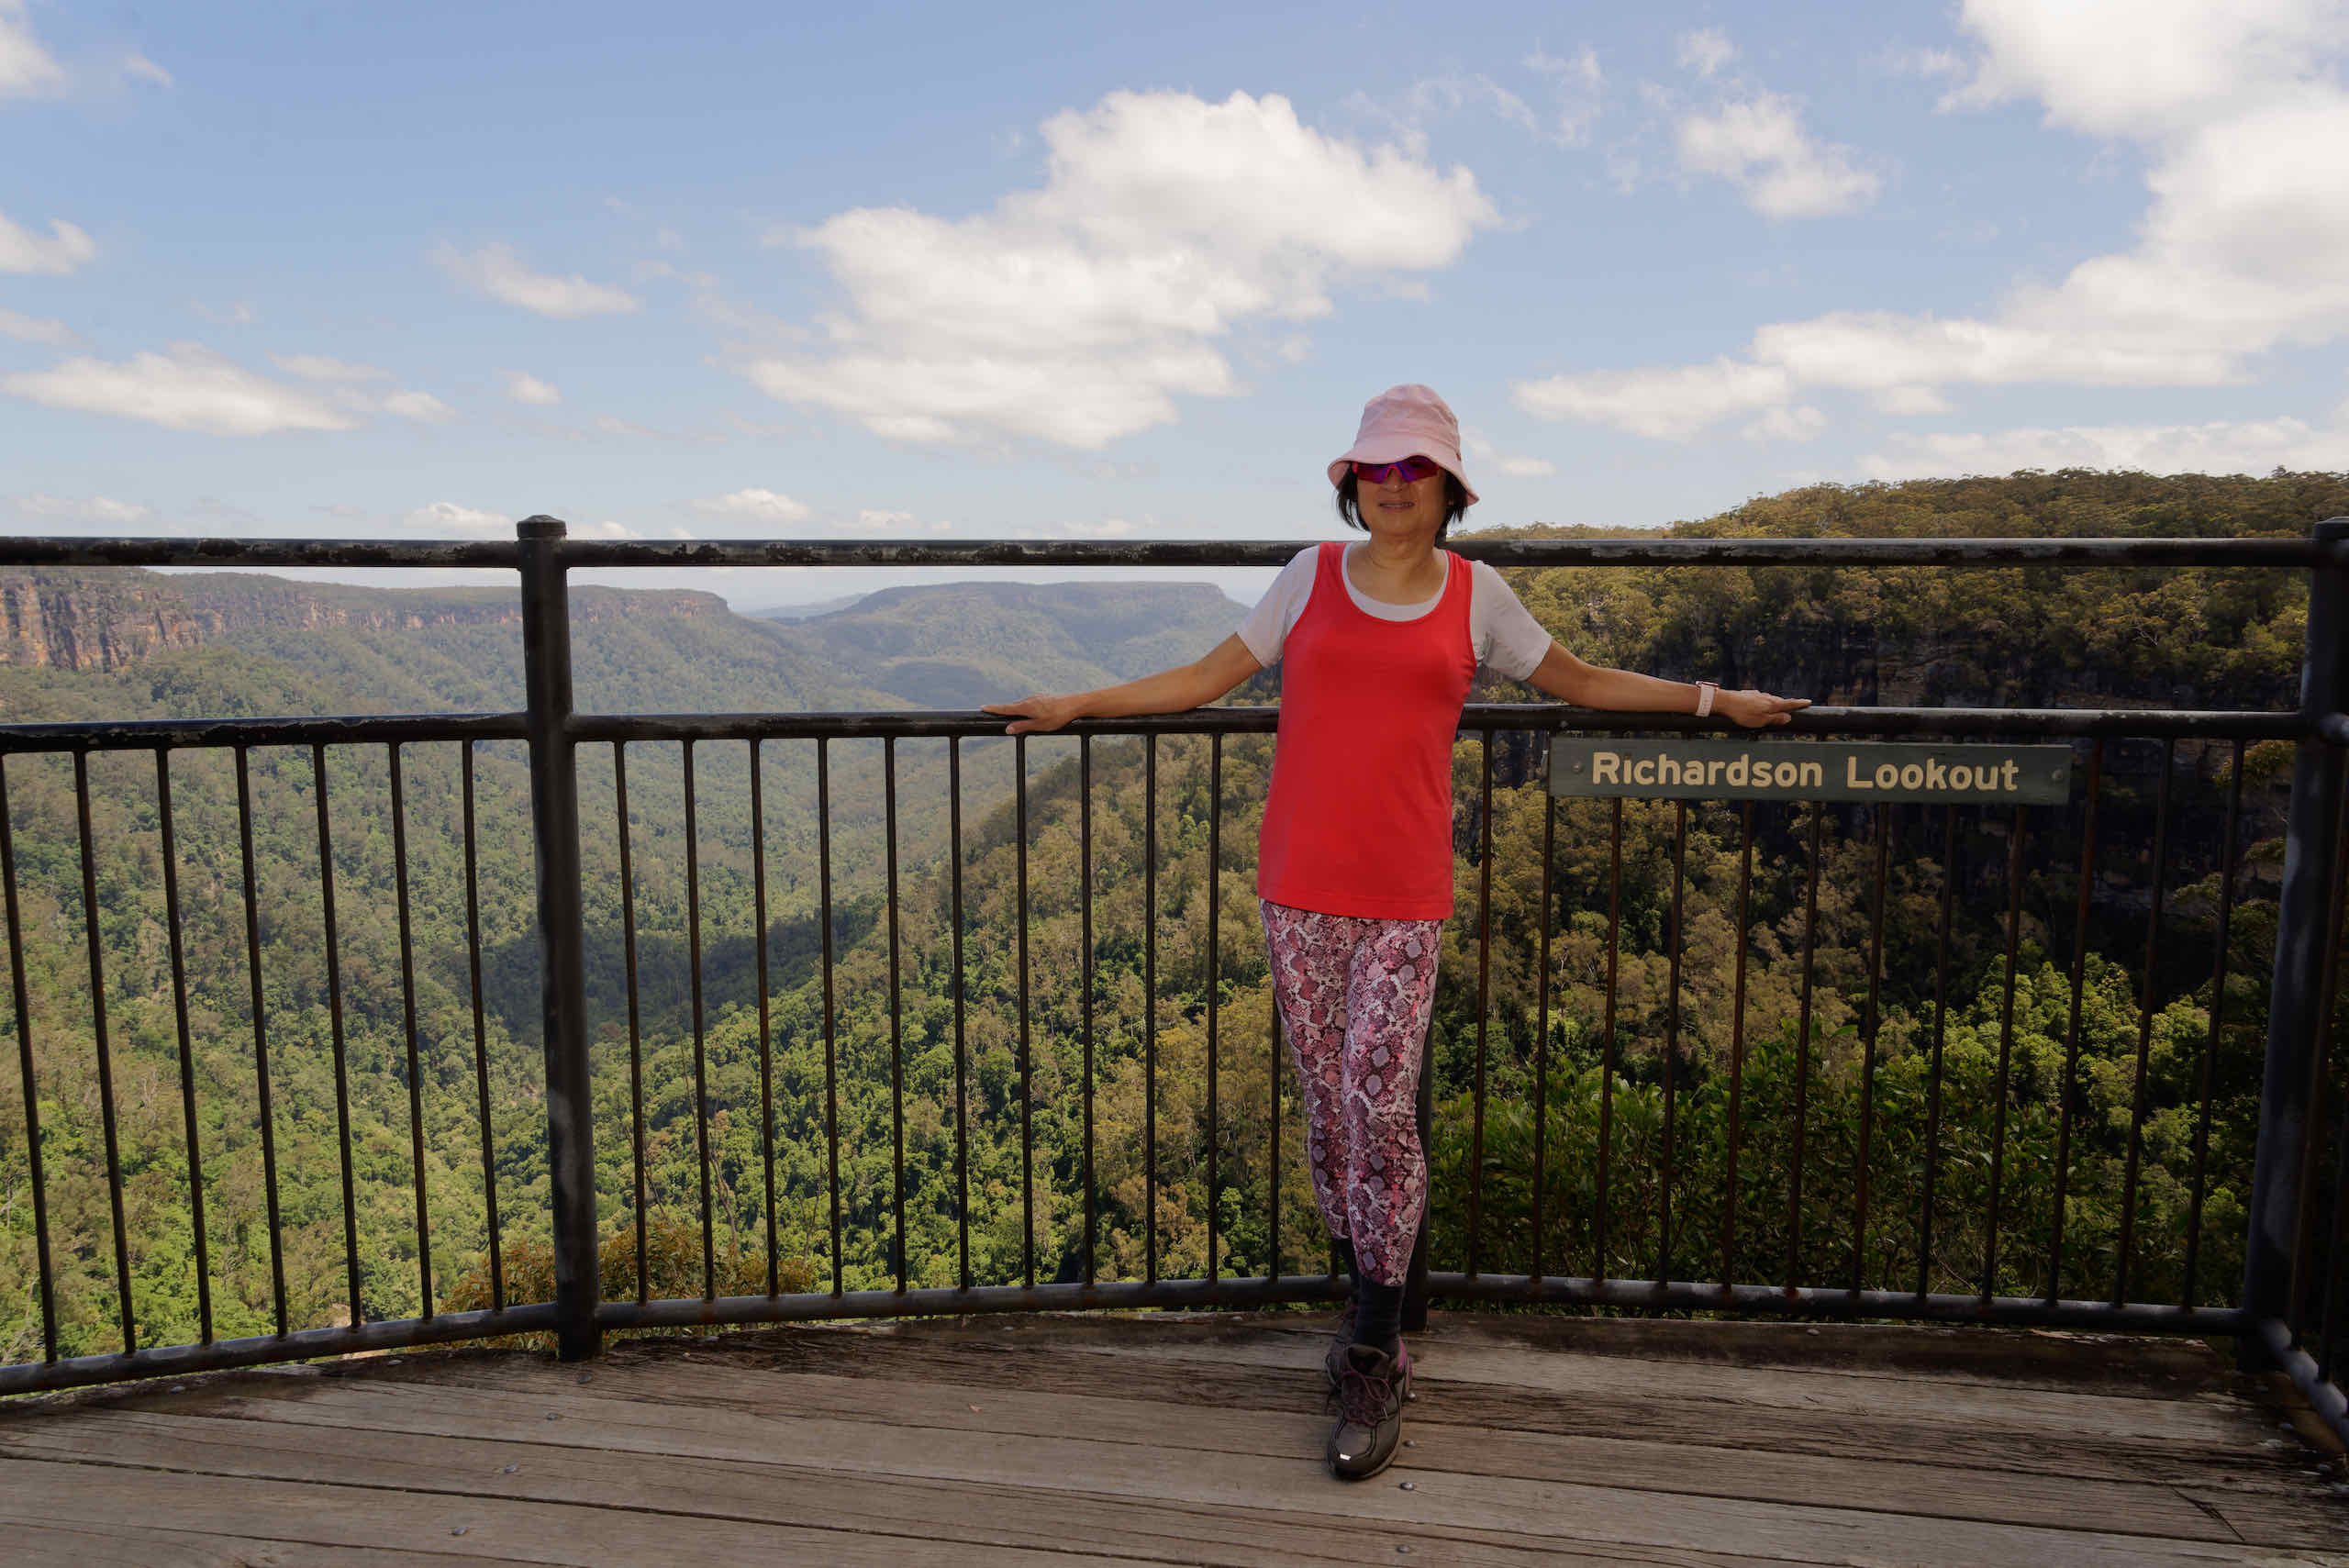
2270, 553
2132, 723
147, 734
116, 735
230, 553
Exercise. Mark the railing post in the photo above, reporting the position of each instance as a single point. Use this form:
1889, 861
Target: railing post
1416, 1291
562, 971
2297, 998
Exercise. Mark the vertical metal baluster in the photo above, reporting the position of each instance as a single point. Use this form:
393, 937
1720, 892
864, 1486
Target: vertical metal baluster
766, 1027
1598, 1270
1542, 1035
1214, 982
1273, 1229
1934, 1072
334, 1020
106, 1066
2005, 1050
1737, 1048
2218, 1010
1868, 1022
187, 1050
1085, 967
1026, 1091
2328, 1365
897, 1011
260, 1030
635, 1031
2314, 1088
831, 1071
701, 1061
2072, 1035
1802, 1054
408, 1015
1672, 1035
1484, 1008
2144, 1029
24, 1070
962, 1085
1149, 1007
481, 1047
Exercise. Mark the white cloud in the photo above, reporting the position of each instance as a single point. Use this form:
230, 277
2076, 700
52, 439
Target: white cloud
2219, 447
2149, 68
1704, 52
1478, 445
444, 515
67, 247
2243, 248
81, 508
1922, 62
497, 272
760, 506
421, 407
1911, 400
1578, 88
317, 367
608, 528
1666, 404
524, 387
146, 70
1759, 145
1108, 528
1797, 424
187, 388
238, 313
26, 70
35, 329
1076, 313
872, 519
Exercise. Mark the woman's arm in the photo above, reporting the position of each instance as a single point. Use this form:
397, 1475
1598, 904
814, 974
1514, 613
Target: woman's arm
1568, 678
1170, 691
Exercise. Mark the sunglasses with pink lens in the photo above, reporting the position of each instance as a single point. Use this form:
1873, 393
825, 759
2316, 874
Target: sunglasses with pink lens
1410, 471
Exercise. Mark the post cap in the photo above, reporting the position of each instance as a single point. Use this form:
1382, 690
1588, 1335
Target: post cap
540, 527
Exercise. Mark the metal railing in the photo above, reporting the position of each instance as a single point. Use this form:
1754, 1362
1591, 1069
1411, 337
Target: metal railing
2288, 1310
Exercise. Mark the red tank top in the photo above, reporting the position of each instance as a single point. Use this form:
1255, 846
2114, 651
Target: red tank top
1358, 821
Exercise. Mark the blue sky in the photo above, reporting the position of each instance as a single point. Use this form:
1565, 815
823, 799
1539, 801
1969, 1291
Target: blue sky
1126, 271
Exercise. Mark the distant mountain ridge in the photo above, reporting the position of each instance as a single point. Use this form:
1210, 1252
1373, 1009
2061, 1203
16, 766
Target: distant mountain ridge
954, 645
962, 644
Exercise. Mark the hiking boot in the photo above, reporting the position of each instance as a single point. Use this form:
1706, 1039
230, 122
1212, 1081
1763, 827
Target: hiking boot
1372, 1387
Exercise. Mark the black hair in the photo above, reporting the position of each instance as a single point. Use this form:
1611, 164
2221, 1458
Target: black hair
1455, 502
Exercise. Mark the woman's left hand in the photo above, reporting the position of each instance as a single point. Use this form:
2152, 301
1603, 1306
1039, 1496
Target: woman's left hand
1757, 710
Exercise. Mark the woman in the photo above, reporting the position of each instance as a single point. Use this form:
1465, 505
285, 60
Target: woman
1381, 638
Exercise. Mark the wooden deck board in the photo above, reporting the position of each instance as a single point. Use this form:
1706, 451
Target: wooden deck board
1150, 1440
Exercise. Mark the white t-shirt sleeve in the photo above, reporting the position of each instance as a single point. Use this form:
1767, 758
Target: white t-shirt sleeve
1503, 631
1266, 627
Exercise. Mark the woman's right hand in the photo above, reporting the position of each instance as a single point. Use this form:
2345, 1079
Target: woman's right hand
1037, 713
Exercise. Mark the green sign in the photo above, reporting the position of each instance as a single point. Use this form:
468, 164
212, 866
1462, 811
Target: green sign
1812, 770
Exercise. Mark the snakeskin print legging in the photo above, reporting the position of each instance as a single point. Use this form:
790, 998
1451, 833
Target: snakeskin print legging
1353, 995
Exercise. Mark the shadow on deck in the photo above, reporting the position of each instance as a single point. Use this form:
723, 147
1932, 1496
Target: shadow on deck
1197, 1440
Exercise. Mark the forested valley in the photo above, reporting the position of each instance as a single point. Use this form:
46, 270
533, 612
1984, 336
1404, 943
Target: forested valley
1828, 1070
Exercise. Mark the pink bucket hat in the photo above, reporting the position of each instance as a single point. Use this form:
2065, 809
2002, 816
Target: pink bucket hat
1406, 421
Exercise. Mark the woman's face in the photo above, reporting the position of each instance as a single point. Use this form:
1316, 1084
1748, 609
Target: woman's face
1399, 509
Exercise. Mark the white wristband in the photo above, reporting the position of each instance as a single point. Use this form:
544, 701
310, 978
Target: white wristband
1705, 690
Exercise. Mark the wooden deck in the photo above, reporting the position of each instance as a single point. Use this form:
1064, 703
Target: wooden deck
1143, 1439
